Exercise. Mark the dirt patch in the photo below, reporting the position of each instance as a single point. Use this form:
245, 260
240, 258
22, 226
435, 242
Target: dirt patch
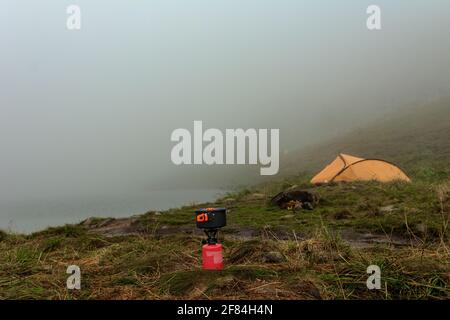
362, 240
350, 237
166, 230
132, 226
116, 227
244, 233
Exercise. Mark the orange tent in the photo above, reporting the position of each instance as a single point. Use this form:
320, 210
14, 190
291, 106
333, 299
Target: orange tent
350, 168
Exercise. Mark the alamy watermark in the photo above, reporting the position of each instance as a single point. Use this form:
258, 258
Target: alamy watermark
374, 19
73, 21
374, 280
227, 148
74, 280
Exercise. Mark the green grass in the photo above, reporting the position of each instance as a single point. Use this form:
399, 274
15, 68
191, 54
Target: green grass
323, 266
317, 260
359, 206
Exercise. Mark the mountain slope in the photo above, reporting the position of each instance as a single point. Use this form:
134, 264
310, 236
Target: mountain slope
416, 139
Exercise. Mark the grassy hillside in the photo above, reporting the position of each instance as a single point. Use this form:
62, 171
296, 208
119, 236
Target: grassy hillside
270, 252
417, 139
414, 137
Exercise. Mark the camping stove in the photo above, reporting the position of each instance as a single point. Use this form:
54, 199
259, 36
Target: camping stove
210, 220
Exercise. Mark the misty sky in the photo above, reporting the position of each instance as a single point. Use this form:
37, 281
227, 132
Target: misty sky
92, 110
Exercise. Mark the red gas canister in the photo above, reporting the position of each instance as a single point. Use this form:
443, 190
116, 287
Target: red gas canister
212, 257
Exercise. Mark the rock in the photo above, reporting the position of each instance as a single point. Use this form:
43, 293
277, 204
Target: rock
151, 213
421, 227
273, 257
225, 281
342, 214
386, 209
314, 292
88, 222
257, 196
307, 288
307, 206
307, 199
105, 222
229, 200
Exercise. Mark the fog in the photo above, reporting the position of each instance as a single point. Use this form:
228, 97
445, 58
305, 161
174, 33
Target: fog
90, 112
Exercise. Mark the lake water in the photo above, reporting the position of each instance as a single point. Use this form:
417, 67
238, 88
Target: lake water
33, 215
